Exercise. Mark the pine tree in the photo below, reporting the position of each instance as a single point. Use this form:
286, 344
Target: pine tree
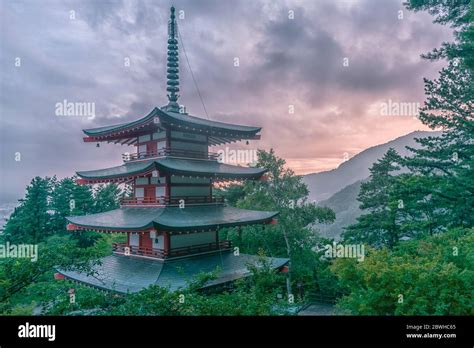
446, 162
61, 203
379, 226
107, 197
30, 222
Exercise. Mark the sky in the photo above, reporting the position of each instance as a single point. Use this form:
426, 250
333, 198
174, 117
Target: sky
315, 75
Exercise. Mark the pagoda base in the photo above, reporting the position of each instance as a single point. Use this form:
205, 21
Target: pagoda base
128, 274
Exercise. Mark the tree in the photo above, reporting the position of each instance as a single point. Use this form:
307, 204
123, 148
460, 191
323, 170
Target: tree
459, 15
446, 162
71, 199
107, 197
418, 216
379, 226
292, 237
17, 274
30, 222
433, 276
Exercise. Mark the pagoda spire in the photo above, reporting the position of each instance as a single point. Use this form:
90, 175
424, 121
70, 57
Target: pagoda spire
172, 64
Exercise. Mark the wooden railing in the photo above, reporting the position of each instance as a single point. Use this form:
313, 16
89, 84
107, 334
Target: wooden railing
173, 200
141, 251
200, 248
151, 201
127, 157
174, 252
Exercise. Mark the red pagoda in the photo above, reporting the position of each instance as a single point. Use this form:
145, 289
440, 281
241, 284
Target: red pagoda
172, 220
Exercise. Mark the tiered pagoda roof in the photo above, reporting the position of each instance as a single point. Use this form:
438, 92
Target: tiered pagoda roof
198, 217
172, 220
174, 166
217, 132
129, 275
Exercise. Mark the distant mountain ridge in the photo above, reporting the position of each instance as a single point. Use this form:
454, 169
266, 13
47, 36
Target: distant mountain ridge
346, 206
338, 188
325, 184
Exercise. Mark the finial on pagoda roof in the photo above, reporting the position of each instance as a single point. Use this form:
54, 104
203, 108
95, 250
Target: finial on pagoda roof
172, 64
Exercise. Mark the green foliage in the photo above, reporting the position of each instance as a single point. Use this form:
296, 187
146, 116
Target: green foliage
445, 163
48, 202
256, 295
30, 222
106, 197
292, 237
423, 276
459, 15
17, 274
434, 276
379, 226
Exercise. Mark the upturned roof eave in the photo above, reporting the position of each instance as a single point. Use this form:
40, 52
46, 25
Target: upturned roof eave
157, 218
253, 173
245, 132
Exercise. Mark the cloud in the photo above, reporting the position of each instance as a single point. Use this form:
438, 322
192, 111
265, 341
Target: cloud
284, 62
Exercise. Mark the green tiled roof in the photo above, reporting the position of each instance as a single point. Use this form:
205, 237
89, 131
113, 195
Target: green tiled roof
172, 218
104, 130
127, 169
207, 168
176, 118
176, 166
197, 121
131, 274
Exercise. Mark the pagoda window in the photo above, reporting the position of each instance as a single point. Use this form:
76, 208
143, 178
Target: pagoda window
188, 136
158, 242
139, 192
161, 181
189, 180
141, 181
160, 191
161, 145
159, 135
144, 138
142, 148
190, 191
133, 239
184, 240
182, 145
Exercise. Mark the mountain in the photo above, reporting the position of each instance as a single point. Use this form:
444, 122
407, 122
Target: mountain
346, 206
325, 184
338, 188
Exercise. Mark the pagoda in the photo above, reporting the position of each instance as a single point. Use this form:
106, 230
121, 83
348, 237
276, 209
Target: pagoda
172, 219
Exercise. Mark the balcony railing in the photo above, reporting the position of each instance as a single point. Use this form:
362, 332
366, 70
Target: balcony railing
169, 201
120, 248
128, 157
200, 248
